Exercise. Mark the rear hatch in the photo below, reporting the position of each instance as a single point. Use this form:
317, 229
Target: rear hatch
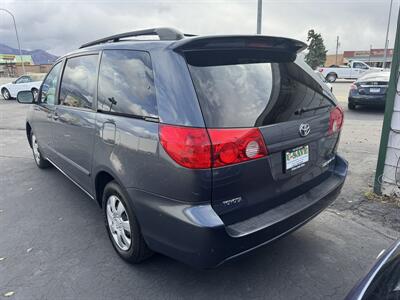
257, 87
372, 87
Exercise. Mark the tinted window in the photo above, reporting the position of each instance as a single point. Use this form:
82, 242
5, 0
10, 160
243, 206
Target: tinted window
49, 87
359, 66
248, 91
126, 83
78, 83
37, 77
23, 79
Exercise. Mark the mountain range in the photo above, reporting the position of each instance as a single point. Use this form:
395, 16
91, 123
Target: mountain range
39, 56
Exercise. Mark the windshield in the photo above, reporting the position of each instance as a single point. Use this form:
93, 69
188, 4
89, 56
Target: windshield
37, 77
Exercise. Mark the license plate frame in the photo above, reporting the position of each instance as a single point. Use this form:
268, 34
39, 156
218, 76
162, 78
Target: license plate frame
296, 158
374, 90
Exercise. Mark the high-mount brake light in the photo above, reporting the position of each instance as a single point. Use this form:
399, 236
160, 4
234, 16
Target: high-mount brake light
200, 148
336, 120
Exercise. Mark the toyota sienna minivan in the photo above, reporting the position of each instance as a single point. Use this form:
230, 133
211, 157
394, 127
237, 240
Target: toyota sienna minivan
201, 148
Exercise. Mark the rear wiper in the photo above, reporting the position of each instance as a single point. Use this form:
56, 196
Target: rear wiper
306, 109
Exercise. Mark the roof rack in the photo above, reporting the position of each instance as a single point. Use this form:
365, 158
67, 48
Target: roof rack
164, 34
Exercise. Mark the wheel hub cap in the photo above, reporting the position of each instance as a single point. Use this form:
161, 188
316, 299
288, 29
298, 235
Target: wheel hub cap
35, 148
118, 222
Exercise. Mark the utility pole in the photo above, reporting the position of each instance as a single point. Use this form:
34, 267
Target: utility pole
387, 35
259, 16
370, 52
337, 49
389, 109
16, 33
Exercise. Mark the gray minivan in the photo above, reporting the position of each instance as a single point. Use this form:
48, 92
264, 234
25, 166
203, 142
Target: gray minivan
201, 148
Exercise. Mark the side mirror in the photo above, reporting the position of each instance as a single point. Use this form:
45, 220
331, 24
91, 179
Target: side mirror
25, 97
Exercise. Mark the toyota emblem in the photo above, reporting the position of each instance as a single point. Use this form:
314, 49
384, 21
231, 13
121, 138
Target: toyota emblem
304, 129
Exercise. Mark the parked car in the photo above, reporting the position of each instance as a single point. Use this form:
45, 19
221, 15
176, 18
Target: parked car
369, 90
353, 70
29, 82
383, 280
323, 79
233, 151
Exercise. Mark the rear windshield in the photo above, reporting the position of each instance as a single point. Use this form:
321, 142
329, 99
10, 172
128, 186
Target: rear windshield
248, 92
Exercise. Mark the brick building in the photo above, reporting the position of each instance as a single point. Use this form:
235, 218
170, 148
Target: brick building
373, 57
11, 65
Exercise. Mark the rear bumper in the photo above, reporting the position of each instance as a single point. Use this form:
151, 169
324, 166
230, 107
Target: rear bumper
195, 234
378, 100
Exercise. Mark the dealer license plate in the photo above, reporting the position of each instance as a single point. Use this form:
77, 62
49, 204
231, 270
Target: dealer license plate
297, 157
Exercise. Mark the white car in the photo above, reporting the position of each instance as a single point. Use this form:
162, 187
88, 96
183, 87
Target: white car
30, 82
323, 79
354, 70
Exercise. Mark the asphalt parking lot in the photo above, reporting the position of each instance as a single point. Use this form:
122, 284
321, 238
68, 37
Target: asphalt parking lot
53, 243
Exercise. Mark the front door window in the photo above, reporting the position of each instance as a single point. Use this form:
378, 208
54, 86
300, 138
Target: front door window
23, 79
49, 87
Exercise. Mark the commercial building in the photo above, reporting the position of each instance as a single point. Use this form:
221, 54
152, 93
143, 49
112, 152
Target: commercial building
16, 59
11, 65
373, 57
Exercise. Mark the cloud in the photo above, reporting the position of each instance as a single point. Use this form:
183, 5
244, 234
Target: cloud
62, 26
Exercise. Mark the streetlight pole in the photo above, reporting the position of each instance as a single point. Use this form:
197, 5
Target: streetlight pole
387, 35
16, 33
259, 16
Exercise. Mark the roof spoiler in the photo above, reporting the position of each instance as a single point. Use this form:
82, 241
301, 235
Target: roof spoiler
225, 42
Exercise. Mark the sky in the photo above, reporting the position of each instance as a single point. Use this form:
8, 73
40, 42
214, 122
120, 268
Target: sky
62, 26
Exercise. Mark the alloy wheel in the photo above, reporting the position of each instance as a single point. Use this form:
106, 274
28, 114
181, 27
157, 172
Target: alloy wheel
35, 92
6, 94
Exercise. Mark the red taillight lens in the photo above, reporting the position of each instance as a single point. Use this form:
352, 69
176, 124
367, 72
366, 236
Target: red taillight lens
199, 148
321, 69
189, 147
231, 146
335, 120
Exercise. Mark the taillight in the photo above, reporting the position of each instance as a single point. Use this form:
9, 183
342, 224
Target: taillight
353, 87
231, 146
321, 69
189, 147
199, 148
335, 120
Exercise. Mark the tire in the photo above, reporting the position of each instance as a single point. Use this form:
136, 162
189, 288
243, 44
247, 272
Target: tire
41, 162
331, 77
351, 106
35, 92
122, 226
6, 94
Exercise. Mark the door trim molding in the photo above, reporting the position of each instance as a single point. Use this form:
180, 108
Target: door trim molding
73, 181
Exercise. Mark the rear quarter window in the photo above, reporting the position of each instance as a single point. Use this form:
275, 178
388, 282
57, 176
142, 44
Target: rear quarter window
126, 83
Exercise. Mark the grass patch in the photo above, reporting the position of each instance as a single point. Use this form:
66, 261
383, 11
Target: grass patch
371, 196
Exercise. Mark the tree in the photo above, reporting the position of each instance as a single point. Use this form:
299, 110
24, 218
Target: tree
316, 55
